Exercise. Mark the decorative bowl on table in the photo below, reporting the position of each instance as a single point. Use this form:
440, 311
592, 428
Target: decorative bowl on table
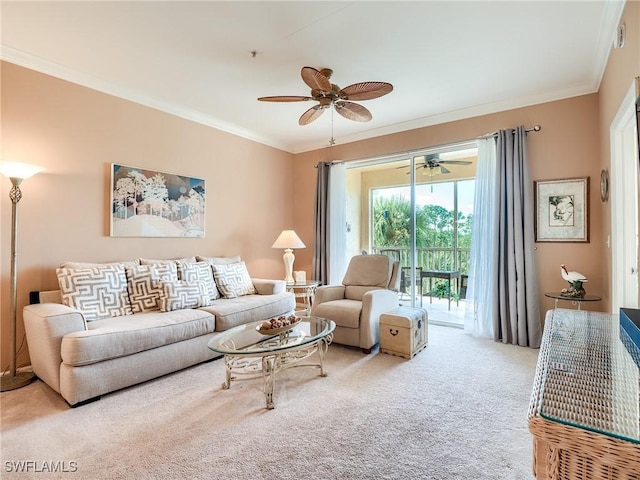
275, 326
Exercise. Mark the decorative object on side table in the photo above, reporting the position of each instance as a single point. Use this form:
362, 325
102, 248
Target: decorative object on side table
16, 172
575, 279
288, 240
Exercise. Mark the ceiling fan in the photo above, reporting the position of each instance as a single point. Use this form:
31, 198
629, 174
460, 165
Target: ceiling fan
327, 94
433, 165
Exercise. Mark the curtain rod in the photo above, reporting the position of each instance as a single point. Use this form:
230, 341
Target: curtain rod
535, 128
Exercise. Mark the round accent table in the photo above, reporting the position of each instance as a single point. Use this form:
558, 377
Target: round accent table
306, 291
575, 301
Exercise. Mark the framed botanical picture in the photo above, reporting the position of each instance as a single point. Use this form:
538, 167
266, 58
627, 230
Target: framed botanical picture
147, 203
562, 210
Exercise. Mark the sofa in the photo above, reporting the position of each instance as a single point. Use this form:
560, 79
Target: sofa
114, 325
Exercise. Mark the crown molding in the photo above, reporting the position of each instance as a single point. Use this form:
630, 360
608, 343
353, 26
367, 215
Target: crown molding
56, 70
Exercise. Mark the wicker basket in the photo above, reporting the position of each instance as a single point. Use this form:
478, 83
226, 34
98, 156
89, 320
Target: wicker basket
562, 451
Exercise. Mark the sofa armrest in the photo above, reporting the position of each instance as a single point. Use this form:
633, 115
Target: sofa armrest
267, 286
45, 324
327, 293
375, 303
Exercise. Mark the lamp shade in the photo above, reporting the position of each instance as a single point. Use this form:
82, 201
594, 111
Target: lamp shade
20, 170
288, 239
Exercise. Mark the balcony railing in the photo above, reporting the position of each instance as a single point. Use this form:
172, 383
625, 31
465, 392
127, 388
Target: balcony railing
434, 258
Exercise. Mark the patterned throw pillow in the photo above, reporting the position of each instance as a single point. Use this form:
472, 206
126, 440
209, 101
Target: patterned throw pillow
233, 280
143, 284
98, 292
181, 294
200, 271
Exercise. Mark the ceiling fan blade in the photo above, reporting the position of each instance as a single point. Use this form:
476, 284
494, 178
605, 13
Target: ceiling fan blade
353, 111
315, 79
285, 98
455, 162
444, 170
310, 115
365, 90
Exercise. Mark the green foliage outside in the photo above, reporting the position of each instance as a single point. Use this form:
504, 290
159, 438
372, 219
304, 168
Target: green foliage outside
435, 242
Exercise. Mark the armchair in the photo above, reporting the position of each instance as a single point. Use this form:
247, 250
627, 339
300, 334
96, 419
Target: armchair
369, 288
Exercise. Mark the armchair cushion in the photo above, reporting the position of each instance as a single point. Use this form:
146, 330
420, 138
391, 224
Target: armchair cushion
356, 292
369, 270
345, 312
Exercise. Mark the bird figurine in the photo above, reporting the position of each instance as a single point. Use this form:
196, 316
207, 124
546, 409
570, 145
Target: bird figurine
575, 280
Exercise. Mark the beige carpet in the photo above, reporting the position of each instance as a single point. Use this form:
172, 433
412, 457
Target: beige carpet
458, 410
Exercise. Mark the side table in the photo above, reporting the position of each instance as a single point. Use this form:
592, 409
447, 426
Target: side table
306, 291
449, 275
575, 301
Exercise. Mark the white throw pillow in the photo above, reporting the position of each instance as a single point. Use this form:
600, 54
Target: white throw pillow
153, 261
180, 294
98, 292
200, 271
219, 260
233, 280
143, 284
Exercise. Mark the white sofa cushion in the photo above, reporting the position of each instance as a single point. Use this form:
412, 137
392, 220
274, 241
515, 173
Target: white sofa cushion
143, 284
153, 261
219, 260
121, 336
231, 312
127, 263
233, 280
98, 292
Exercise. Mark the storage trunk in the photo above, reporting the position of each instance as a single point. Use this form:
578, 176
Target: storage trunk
404, 331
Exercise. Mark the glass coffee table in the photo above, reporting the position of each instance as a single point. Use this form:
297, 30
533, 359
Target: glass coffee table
250, 354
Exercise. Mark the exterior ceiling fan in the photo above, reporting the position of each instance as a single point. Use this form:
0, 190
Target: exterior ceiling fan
327, 94
432, 164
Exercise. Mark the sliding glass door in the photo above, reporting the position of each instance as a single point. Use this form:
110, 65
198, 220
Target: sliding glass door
417, 208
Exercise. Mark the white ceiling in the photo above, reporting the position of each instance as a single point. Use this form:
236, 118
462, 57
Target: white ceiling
447, 60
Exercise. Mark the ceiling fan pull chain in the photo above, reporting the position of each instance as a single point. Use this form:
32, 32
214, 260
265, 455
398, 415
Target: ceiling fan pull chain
333, 140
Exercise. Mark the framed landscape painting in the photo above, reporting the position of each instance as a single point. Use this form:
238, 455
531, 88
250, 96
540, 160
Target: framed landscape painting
147, 203
562, 210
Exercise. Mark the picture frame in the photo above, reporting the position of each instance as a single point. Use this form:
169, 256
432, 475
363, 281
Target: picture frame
562, 210
149, 203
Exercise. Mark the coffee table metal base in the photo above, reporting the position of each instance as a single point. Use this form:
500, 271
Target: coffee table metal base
269, 364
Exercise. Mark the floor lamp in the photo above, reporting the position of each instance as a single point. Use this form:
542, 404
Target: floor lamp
16, 172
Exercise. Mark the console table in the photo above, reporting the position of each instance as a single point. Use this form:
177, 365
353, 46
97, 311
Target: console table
584, 409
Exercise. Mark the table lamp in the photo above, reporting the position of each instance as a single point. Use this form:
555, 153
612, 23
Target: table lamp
288, 240
16, 172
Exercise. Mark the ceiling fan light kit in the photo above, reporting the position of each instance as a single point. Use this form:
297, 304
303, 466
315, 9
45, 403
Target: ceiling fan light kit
433, 162
328, 94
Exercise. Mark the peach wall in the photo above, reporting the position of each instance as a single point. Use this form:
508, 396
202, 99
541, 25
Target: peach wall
76, 133
622, 68
567, 147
